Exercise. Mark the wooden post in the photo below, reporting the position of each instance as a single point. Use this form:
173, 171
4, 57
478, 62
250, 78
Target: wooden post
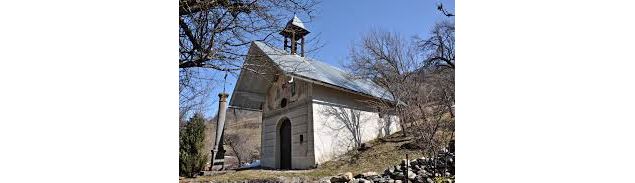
285, 44
293, 42
406, 172
302, 54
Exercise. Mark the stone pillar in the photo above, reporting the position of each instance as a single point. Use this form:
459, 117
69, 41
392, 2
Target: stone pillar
219, 152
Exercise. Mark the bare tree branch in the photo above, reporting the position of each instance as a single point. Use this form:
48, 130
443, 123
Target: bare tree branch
446, 13
215, 35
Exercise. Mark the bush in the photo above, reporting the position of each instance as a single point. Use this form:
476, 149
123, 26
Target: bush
192, 156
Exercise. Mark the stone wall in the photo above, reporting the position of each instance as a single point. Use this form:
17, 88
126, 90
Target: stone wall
439, 168
298, 111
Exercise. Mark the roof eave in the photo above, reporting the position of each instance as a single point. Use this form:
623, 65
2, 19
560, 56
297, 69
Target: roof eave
340, 88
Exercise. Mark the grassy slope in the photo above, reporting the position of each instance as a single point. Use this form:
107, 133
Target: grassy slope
246, 123
383, 153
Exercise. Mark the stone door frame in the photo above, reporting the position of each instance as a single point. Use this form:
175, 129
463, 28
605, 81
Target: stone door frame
284, 144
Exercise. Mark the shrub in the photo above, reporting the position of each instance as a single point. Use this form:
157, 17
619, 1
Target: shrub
192, 156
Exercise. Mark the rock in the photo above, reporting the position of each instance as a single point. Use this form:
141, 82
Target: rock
414, 163
348, 175
403, 168
416, 168
325, 180
376, 178
420, 178
422, 172
338, 179
411, 175
389, 171
368, 174
429, 180
345, 177
386, 177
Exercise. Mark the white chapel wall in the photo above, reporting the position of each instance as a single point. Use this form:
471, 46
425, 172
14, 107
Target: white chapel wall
330, 142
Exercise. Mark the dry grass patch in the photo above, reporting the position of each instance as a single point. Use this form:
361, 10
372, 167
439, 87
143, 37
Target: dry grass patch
383, 154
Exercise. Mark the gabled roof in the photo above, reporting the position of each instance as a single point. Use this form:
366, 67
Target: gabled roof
321, 72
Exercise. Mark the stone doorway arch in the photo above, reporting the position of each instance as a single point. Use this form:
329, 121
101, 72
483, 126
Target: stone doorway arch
284, 141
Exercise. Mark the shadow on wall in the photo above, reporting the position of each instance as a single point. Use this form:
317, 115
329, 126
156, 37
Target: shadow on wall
350, 128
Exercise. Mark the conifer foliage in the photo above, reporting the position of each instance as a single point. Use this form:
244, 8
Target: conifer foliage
192, 156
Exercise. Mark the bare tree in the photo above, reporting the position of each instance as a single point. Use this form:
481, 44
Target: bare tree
195, 91
349, 120
215, 35
237, 145
431, 108
419, 74
442, 10
439, 48
389, 61
432, 102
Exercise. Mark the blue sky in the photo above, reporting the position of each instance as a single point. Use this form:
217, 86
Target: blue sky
340, 23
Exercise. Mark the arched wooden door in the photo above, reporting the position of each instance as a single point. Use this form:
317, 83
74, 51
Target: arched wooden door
285, 144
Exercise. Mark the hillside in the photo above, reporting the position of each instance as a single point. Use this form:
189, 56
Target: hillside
243, 122
382, 154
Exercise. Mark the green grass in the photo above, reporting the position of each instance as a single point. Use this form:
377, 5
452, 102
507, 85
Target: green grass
383, 154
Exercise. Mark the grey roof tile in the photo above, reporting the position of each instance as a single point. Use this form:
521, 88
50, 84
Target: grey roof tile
320, 71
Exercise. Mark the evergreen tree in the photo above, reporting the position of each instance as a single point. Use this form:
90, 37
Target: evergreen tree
192, 157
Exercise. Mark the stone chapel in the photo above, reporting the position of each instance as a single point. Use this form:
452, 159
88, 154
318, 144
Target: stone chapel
292, 91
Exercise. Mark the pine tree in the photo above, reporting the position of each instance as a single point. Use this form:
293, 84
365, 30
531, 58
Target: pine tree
192, 157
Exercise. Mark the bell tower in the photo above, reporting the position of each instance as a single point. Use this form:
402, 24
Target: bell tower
294, 32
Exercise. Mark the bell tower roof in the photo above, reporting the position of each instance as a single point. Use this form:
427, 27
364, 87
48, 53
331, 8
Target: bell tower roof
294, 25
296, 22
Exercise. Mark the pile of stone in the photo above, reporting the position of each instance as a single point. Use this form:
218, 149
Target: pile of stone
421, 170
